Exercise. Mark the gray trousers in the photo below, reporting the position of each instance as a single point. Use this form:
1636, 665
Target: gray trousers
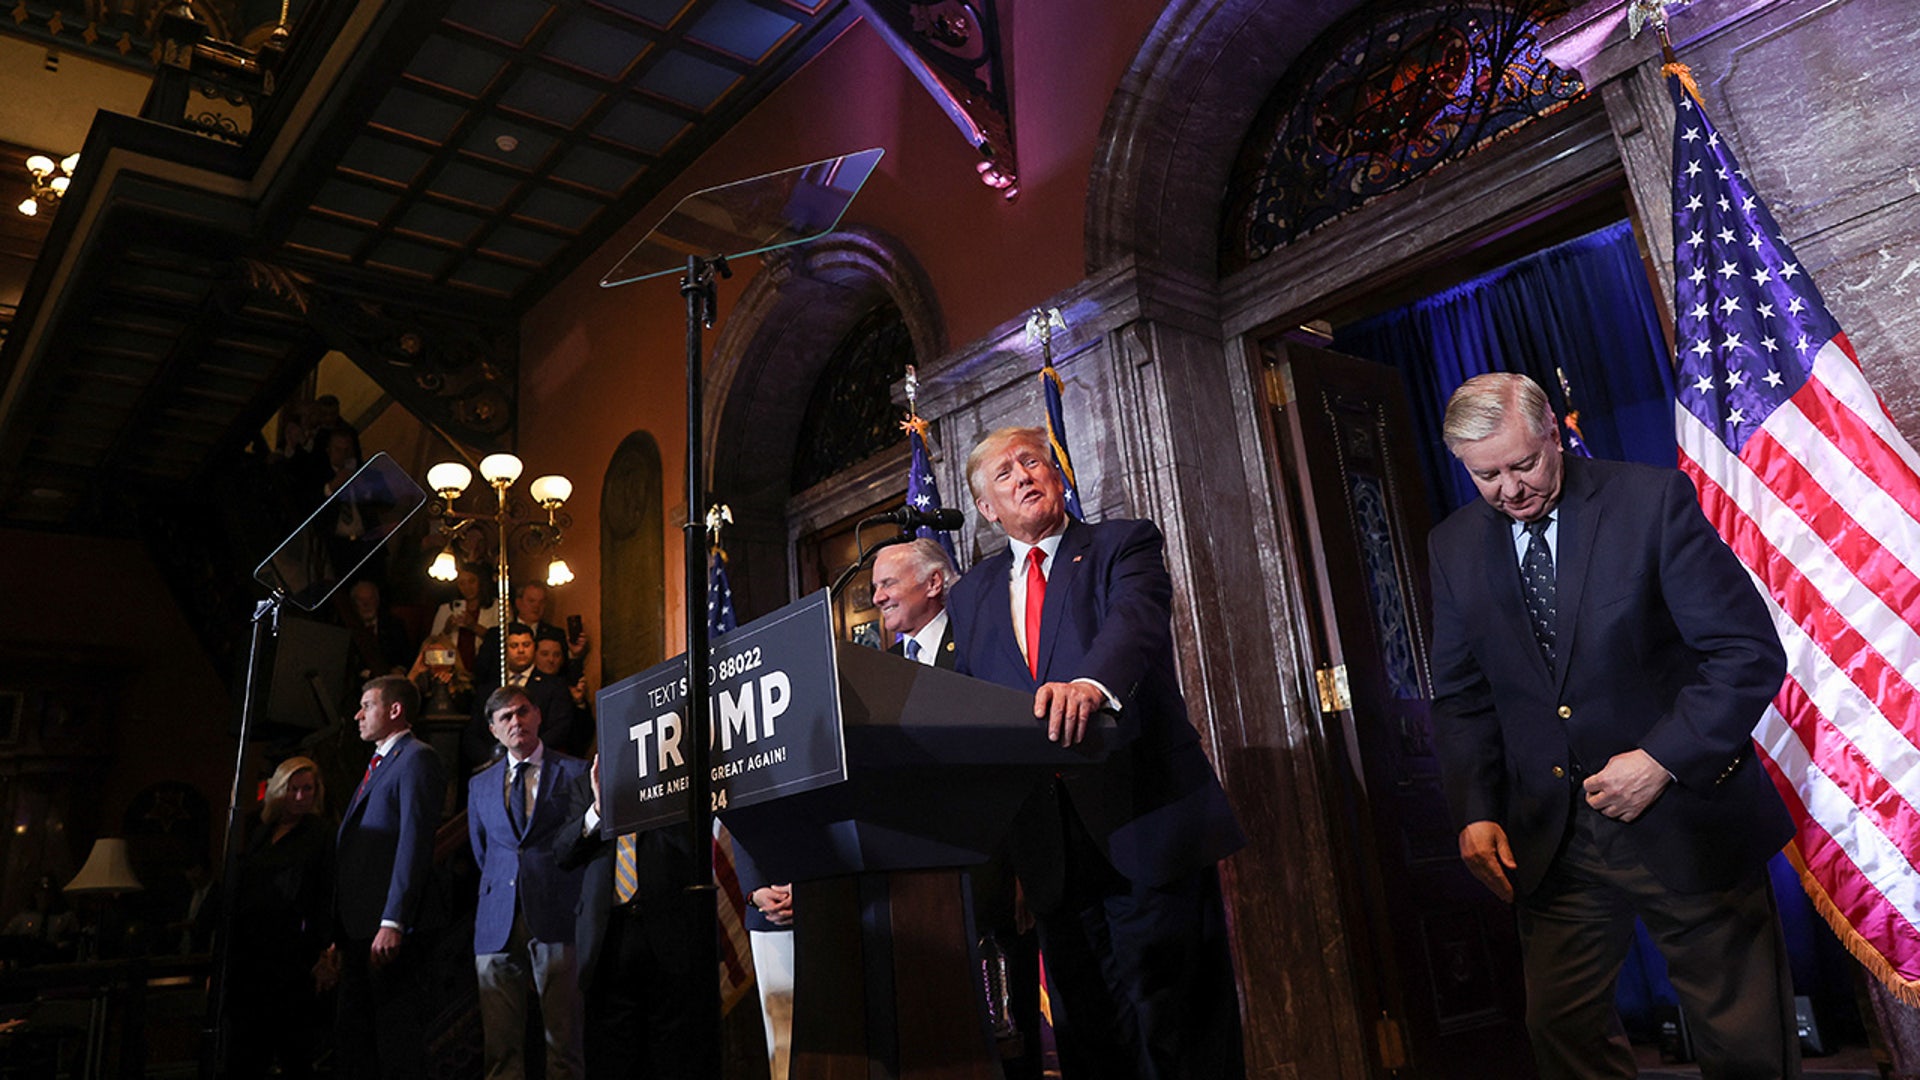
1725, 957
550, 970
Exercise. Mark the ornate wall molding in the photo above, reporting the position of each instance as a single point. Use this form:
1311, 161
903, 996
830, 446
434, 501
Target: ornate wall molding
1177, 119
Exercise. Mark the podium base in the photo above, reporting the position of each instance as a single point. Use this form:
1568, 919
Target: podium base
887, 980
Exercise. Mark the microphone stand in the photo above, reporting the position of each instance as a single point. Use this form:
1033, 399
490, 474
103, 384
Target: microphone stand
866, 553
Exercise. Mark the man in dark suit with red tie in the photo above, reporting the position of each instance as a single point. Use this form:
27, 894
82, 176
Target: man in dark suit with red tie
1600, 659
384, 860
1117, 861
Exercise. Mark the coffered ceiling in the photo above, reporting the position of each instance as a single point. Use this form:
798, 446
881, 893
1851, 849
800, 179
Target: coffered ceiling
508, 137
446, 160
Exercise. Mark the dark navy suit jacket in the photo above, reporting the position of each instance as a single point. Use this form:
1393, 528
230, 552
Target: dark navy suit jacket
523, 868
945, 652
1155, 808
384, 853
1663, 644
669, 910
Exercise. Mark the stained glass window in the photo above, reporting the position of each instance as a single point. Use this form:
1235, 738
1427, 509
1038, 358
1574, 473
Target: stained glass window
1381, 100
850, 415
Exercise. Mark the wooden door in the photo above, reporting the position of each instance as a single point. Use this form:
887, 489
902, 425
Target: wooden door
824, 553
1436, 956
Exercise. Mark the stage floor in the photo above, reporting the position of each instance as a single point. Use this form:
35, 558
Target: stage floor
1847, 1063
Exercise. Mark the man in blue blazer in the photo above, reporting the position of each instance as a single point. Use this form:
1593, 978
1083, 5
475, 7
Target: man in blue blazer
384, 866
523, 927
1117, 861
1600, 659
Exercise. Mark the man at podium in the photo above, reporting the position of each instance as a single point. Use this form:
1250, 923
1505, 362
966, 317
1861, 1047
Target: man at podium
1118, 861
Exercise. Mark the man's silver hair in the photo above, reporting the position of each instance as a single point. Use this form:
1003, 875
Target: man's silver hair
925, 555
993, 443
1480, 406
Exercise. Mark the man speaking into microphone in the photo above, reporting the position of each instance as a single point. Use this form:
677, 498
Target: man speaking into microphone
1117, 860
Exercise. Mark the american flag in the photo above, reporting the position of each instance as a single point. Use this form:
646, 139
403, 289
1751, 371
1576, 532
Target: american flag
720, 617
1057, 437
736, 949
1803, 472
923, 493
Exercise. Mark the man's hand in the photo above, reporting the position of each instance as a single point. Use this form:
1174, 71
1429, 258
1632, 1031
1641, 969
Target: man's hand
326, 970
577, 647
386, 947
1483, 845
594, 772
775, 902
1627, 786
1066, 707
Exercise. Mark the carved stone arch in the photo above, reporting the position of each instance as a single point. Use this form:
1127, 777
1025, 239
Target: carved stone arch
776, 341
1177, 120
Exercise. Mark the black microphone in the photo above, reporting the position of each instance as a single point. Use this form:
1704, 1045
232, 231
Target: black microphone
944, 519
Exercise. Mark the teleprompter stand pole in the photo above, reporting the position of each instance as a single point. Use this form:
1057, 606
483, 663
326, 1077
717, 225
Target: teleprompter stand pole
214, 1063
702, 307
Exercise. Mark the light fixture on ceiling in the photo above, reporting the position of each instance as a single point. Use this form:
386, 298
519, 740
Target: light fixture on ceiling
50, 181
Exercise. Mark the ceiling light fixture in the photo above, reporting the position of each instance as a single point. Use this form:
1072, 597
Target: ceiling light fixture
50, 181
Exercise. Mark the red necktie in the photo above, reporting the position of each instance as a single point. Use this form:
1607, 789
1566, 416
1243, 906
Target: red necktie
372, 764
1036, 599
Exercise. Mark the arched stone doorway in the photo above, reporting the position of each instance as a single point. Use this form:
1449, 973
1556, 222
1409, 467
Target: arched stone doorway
775, 344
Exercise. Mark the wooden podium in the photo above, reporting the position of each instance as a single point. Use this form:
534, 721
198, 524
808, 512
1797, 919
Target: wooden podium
886, 960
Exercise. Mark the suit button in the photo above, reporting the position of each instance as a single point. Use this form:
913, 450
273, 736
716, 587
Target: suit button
1565, 711
1559, 773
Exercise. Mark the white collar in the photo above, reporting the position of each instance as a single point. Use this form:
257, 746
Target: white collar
1047, 545
929, 635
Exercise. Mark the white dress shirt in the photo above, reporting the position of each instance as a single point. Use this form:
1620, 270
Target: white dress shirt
928, 638
1017, 590
534, 762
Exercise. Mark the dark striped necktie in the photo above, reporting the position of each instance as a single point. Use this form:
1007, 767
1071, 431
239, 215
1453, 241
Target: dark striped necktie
1536, 582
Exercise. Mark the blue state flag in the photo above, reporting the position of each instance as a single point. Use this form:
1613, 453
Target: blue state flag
1057, 439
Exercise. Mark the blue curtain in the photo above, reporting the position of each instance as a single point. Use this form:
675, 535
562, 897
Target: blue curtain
1584, 306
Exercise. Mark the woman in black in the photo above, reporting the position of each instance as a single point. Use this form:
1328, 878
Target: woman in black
280, 928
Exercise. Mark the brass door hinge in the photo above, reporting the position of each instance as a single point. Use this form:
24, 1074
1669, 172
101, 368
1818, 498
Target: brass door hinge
1332, 682
1280, 385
